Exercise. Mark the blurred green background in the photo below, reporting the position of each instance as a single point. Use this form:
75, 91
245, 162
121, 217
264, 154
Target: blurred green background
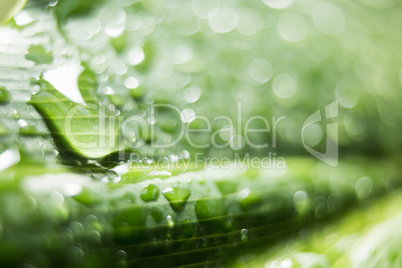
277, 57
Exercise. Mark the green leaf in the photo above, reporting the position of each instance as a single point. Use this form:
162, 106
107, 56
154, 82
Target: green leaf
174, 228
85, 129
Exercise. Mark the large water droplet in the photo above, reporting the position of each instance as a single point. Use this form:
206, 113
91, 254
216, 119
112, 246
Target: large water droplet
364, 187
244, 236
120, 255
222, 20
260, 70
177, 196
249, 199
150, 193
278, 4
191, 94
5, 95
292, 27
250, 22
328, 18
136, 56
169, 221
300, 197
52, 3
284, 86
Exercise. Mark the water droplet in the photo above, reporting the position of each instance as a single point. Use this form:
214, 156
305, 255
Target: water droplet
278, 4
120, 69
313, 135
165, 70
15, 114
244, 193
135, 56
53, 3
227, 132
247, 198
250, 22
114, 30
27, 129
300, 197
22, 123
177, 196
5, 95
354, 123
150, 193
363, 188
56, 198
187, 115
170, 222
202, 9
260, 70
222, 20
131, 83
244, 236
94, 27
185, 154
284, 86
120, 255
347, 94
274, 264
75, 254
191, 94
328, 18
292, 27
237, 142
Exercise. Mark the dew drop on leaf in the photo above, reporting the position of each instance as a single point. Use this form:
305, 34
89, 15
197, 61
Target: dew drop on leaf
150, 193
5, 95
177, 196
